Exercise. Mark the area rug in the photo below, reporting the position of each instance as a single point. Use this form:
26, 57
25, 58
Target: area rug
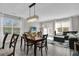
65, 45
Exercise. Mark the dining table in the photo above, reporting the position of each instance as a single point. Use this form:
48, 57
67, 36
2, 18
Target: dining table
34, 41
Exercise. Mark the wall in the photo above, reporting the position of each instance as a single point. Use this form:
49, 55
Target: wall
49, 27
53, 27
75, 23
26, 26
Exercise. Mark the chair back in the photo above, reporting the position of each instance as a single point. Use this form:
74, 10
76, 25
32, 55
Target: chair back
13, 41
45, 39
45, 36
25, 38
4, 39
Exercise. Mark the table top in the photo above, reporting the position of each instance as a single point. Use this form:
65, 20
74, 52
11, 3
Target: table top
34, 39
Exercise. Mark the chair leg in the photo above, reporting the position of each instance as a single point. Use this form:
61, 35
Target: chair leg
46, 49
41, 52
21, 43
24, 46
27, 49
13, 54
35, 50
46, 46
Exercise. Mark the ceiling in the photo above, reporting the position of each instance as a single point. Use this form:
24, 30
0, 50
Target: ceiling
45, 11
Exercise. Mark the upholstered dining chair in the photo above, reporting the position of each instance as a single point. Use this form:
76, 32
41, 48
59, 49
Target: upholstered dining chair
11, 50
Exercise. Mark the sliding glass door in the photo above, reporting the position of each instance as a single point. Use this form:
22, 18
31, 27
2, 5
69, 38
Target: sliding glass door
11, 25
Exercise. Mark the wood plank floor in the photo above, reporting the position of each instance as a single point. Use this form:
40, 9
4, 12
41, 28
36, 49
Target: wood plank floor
53, 50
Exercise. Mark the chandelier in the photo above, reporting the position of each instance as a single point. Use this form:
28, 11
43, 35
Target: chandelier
34, 17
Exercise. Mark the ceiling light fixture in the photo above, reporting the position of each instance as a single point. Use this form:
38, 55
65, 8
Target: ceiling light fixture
34, 17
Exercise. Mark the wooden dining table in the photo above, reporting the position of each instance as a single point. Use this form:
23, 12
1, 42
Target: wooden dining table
34, 41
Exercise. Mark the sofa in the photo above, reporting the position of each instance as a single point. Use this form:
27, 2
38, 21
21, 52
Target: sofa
70, 32
60, 38
64, 36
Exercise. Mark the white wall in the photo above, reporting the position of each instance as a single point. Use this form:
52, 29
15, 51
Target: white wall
75, 23
26, 26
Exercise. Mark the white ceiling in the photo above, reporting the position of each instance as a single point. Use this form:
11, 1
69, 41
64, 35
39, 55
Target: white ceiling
45, 11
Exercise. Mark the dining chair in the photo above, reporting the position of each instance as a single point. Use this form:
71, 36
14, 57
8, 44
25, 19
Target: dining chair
22, 38
11, 50
27, 43
4, 39
43, 44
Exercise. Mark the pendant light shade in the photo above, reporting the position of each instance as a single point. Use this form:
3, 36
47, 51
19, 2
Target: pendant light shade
34, 17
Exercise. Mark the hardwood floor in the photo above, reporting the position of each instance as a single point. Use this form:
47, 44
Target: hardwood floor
53, 50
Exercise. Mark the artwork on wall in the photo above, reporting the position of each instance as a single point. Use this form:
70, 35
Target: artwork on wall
33, 29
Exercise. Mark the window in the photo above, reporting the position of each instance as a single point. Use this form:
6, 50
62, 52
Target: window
7, 25
10, 25
16, 26
62, 26
48, 28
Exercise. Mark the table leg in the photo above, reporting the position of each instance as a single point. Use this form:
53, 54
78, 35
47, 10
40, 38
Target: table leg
35, 49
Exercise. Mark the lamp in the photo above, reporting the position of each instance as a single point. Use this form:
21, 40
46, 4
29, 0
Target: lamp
34, 17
